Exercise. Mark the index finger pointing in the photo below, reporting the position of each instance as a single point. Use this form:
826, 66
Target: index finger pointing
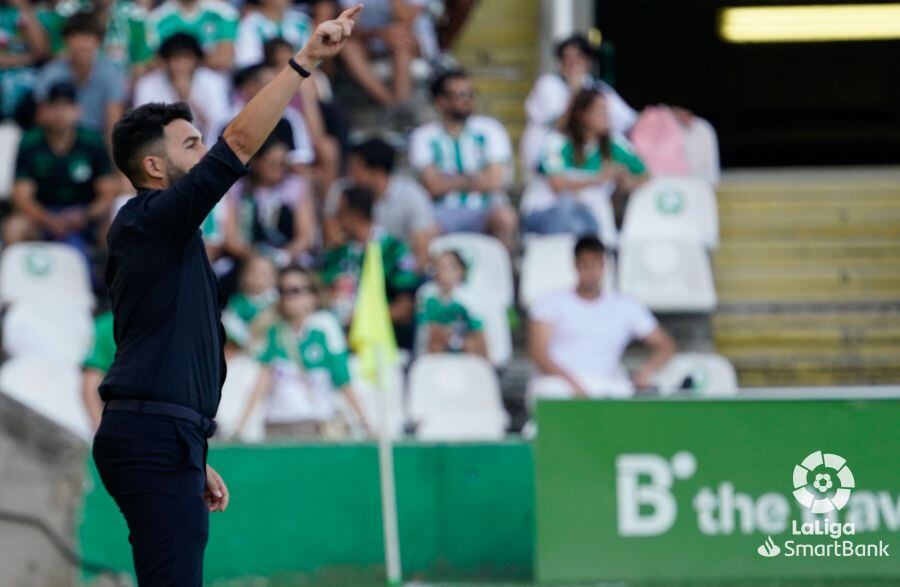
351, 13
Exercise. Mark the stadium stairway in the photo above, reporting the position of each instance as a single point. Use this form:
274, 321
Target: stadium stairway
808, 276
498, 47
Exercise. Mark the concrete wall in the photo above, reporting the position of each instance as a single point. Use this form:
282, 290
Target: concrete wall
41, 474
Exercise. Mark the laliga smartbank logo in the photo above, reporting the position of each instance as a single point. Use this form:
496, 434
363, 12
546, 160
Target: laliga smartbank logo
831, 509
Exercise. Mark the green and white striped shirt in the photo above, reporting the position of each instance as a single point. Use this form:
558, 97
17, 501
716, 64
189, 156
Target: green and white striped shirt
211, 21
482, 142
256, 29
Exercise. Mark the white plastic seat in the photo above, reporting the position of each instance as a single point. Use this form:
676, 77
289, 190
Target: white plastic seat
548, 265
46, 273
667, 276
599, 200
243, 372
369, 397
701, 149
672, 208
710, 375
50, 388
59, 332
456, 397
489, 273
10, 135
497, 336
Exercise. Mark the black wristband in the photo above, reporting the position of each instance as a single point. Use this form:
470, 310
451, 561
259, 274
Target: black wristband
304, 73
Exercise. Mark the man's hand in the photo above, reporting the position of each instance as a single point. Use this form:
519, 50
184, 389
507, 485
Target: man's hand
216, 494
329, 38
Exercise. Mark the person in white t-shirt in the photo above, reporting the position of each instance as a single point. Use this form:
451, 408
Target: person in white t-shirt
576, 338
184, 78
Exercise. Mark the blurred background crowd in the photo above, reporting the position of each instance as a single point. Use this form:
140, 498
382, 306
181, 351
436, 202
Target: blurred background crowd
514, 268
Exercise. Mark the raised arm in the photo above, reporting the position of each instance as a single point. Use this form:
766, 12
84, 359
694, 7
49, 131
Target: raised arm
246, 133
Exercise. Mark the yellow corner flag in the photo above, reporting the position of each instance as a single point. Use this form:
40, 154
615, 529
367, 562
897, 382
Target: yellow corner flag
371, 329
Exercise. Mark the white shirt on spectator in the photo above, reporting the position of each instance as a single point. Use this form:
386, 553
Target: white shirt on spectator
256, 29
589, 337
209, 90
404, 209
482, 142
548, 101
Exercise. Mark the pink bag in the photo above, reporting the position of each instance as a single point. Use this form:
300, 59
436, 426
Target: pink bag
659, 141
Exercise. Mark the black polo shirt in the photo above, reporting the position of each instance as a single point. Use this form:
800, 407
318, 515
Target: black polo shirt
167, 320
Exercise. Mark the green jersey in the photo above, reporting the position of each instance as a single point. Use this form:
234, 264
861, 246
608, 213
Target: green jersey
211, 21
240, 312
559, 157
15, 82
307, 368
342, 269
104, 349
256, 29
125, 41
63, 179
456, 311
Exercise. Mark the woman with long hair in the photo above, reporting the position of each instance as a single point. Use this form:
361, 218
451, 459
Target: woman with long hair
305, 364
582, 162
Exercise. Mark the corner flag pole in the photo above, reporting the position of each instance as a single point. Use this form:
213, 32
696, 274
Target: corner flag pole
372, 337
386, 473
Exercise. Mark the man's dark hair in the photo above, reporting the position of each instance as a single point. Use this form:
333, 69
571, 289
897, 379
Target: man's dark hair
273, 45
376, 153
579, 42
180, 43
62, 92
83, 23
139, 130
248, 74
589, 244
360, 200
439, 83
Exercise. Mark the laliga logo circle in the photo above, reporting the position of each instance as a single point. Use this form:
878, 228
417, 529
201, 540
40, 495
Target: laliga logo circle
828, 470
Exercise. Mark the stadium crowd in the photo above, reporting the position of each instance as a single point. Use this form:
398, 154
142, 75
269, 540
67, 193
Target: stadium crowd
288, 240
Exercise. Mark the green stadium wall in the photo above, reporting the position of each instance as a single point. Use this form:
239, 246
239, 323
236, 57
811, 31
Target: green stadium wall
313, 512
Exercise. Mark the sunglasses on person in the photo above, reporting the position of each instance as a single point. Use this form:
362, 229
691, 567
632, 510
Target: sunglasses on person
295, 290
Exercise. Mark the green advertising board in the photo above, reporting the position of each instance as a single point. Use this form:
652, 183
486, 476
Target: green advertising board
679, 490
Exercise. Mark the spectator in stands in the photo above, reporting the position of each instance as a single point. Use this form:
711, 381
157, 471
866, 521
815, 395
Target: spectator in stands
96, 365
551, 95
583, 163
125, 39
399, 29
305, 361
271, 19
447, 318
257, 293
576, 338
402, 207
100, 84
291, 130
22, 45
464, 162
342, 265
212, 22
271, 211
184, 78
64, 180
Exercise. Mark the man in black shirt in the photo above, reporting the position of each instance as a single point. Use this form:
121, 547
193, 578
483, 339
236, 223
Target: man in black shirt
163, 388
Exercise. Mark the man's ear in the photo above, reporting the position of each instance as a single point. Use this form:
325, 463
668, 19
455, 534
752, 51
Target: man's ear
153, 167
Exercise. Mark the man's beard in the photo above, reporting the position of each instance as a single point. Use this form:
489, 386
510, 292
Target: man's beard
173, 172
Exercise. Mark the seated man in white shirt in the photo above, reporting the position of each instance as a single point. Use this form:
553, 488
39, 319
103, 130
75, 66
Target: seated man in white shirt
184, 78
576, 338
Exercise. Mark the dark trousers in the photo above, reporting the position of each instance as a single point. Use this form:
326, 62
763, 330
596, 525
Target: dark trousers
154, 467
